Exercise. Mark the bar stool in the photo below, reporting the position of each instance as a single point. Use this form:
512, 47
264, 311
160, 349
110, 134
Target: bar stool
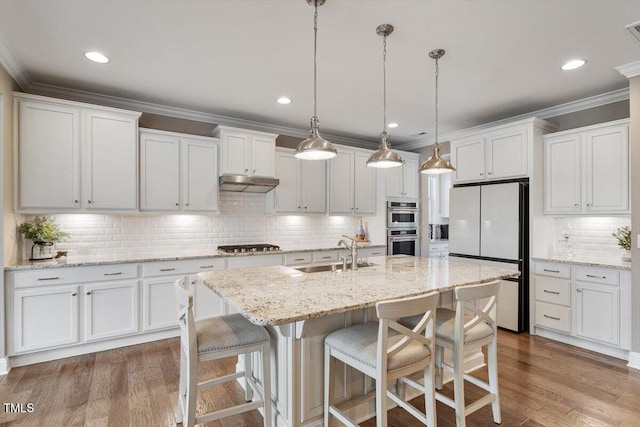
215, 338
468, 329
386, 351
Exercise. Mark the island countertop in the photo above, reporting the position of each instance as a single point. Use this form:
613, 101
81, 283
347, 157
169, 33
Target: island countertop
279, 295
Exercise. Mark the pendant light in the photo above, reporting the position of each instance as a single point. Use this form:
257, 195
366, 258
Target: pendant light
384, 157
436, 165
315, 147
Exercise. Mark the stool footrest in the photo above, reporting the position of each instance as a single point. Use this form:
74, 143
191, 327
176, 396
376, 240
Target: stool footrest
220, 380
222, 413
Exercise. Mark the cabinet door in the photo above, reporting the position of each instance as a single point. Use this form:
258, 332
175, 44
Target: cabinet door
365, 185
234, 153
45, 317
606, 162
110, 160
159, 305
464, 221
263, 156
507, 155
468, 157
562, 174
314, 186
199, 175
410, 178
445, 187
49, 156
110, 310
597, 312
288, 192
159, 172
341, 184
394, 181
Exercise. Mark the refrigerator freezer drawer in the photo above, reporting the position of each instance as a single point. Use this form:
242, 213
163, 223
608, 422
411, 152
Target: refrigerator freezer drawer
553, 316
508, 305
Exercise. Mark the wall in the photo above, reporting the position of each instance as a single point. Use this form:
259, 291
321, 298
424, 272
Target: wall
588, 236
604, 113
241, 220
634, 165
8, 253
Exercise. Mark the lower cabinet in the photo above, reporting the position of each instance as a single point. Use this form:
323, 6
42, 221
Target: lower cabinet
110, 310
159, 303
596, 312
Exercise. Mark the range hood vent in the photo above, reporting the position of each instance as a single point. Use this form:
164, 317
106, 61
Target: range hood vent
634, 29
247, 184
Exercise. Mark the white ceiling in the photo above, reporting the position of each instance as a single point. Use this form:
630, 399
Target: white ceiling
234, 58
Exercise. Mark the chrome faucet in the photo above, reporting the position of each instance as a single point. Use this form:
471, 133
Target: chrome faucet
354, 251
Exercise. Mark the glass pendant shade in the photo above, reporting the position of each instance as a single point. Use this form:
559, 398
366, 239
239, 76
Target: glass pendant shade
384, 157
436, 165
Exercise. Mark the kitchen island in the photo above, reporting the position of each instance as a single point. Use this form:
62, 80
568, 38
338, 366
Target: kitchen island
300, 309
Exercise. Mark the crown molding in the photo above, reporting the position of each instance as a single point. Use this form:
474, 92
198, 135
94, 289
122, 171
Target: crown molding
12, 66
629, 70
545, 113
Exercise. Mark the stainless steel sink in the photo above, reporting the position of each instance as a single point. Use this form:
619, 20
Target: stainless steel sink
329, 267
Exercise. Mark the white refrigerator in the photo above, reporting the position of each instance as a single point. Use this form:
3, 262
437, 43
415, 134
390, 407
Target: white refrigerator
489, 223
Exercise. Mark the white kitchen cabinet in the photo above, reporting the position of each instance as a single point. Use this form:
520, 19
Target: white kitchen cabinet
303, 184
178, 172
45, 317
586, 170
52, 176
496, 153
110, 309
596, 312
245, 152
402, 182
159, 303
438, 249
352, 186
443, 201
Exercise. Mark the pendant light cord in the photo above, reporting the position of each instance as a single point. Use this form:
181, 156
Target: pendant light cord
315, 60
384, 83
437, 74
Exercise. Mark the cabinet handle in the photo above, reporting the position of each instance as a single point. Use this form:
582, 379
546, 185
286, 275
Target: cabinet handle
299, 259
326, 257
75, 201
589, 205
73, 294
577, 205
186, 204
490, 173
254, 171
89, 293
596, 277
551, 271
246, 170
88, 201
351, 208
305, 207
550, 292
113, 274
167, 269
551, 317
357, 209
177, 204
375, 253
481, 174
206, 266
299, 207
48, 278
578, 290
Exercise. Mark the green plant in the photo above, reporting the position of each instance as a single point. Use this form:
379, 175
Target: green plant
42, 230
623, 234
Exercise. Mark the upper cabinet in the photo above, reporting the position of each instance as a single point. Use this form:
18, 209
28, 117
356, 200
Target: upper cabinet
303, 184
586, 170
245, 152
178, 172
501, 152
72, 156
352, 185
402, 182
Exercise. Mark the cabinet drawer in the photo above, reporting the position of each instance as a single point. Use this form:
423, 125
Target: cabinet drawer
553, 270
299, 258
325, 256
555, 291
66, 275
179, 267
597, 275
365, 252
553, 316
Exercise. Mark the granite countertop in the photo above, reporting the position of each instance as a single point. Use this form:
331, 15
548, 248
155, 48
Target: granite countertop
615, 263
180, 255
280, 295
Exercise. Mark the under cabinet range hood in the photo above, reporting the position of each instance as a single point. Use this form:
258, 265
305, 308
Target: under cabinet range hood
247, 184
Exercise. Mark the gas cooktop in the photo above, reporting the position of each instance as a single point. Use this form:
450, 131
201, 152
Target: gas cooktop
257, 247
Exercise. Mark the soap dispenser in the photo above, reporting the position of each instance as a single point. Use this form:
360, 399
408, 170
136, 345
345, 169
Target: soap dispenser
360, 234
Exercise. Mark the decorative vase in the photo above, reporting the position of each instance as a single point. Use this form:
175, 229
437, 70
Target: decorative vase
41, 251
626, 255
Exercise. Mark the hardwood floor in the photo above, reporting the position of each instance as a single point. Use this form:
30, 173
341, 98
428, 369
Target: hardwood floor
542, 383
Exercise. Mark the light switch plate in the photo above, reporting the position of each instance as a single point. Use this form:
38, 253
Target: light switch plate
638, 241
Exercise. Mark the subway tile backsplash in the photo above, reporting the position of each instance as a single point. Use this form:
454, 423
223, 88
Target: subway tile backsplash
241, 220
588, 236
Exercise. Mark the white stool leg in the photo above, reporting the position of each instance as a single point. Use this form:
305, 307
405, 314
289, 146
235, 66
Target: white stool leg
381, 400
492, 359
191, 395
438, 373
458, 384
248, 374
429, 394
182, 388
329, 365
266, 383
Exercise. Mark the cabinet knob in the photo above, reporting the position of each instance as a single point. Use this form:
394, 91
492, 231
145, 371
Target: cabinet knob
305, 207
254, 171
73, 294
577, 205
186, 204
481, 174
489, 173
589, 205
299, 207
578, 290
88, 201
176, 203
75, 201
89, 293
246, 170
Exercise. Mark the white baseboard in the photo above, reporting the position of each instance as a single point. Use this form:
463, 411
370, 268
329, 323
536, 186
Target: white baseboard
634, 360
609, 350
5, 366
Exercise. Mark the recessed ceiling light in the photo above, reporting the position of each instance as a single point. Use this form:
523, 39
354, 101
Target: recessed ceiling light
392, 125
283, 100
573, 64
97, 57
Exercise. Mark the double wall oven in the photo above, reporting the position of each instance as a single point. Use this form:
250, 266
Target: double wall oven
403, 236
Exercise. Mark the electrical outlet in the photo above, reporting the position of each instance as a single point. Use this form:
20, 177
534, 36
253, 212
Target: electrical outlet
638, 241
84, 249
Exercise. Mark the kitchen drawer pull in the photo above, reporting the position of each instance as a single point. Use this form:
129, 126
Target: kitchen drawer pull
578, 290
596, 277
551, 271
326, 257
206, 266
375, 253
299, 259
551, 292
113, 274
89, 293
48, 278
551, 317
167, 269
73, 294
